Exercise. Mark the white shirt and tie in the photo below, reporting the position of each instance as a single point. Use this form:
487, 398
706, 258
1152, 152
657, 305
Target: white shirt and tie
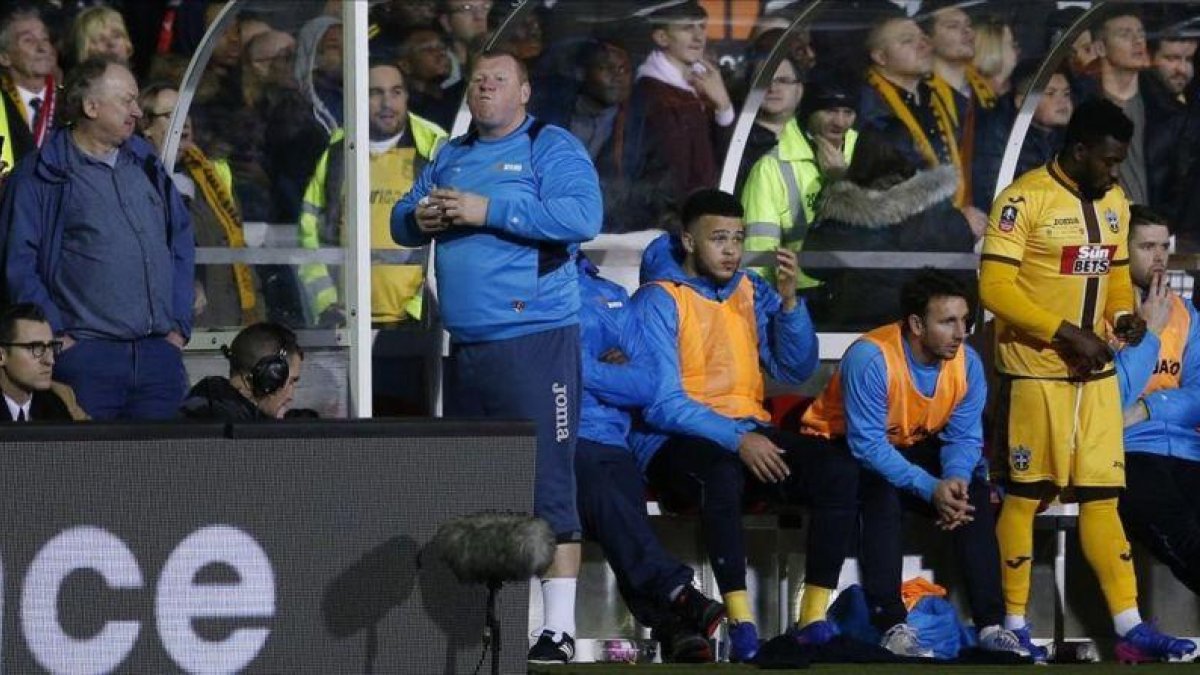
33, 103
19, 413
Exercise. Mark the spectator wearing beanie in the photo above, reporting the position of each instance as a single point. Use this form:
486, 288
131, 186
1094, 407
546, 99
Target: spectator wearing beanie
782, 190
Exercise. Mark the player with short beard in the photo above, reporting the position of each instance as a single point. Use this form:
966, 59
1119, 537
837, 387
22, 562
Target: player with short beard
907, 401
1158, 386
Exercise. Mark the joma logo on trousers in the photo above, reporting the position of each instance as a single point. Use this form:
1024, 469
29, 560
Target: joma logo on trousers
562, 427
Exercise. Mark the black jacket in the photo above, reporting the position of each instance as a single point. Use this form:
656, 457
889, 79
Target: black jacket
45, 407
1040, 146
991, 139
214, 398
915, 215
1169, 149
760, 141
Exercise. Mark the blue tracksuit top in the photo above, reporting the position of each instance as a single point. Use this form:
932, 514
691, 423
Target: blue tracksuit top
513, 276
865, 395
787, 350
1174, 413
610, 391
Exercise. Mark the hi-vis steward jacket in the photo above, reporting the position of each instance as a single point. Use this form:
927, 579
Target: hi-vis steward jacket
321, 215
780, 195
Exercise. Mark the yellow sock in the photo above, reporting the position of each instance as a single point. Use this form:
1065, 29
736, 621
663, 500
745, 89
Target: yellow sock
1107, 551
813, 603
1014, 532
737, 607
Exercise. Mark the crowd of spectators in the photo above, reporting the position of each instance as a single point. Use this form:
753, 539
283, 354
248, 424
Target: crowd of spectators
651, 94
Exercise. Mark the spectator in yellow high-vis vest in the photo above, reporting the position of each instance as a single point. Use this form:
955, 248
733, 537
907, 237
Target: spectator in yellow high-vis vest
401, 143
781, 192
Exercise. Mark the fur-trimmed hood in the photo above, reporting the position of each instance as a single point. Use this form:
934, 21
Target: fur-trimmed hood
855, 205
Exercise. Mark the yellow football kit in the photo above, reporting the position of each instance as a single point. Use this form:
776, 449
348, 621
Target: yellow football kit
1051, 255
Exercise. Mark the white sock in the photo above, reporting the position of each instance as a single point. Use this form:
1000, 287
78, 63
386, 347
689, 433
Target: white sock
558, 606
1126, 621
1014, 621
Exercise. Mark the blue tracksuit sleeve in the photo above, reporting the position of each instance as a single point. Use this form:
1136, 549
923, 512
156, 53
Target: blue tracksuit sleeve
404, 221
864, 391
23, 242
962, 439
673, 411
1181, 407
1135, 366
787, 342
621, 386
568, 207
628, 385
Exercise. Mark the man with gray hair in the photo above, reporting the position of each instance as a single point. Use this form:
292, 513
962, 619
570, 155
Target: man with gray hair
28, 100
96, 235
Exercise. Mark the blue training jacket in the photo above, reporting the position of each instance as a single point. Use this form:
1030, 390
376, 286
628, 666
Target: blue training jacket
865, 396
513, 276
610, 391
1174, 413
787, 350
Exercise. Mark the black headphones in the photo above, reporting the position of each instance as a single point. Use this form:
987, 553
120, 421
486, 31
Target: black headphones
270, 374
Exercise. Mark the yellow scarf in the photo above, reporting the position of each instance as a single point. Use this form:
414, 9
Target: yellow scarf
979, 86
221, 202
983, 90
941, 113
41, 126
10, 88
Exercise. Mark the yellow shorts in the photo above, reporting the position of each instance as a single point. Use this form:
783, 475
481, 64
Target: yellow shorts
1066, 432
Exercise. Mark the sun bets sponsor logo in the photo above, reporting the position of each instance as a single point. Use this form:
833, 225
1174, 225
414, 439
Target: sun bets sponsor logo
1089, 260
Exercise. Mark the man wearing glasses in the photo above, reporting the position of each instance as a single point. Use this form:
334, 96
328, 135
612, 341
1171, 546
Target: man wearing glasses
27, 352
98, 237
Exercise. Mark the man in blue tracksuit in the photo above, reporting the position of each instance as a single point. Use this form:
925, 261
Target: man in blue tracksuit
907, 401
618, 378
713, 329
1160, 394
508, 204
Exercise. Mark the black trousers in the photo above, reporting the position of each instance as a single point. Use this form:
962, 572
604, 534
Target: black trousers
882, 551
612, 508
691, 472
1161, 510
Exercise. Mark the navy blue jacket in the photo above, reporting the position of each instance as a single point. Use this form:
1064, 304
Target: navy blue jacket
32, 233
